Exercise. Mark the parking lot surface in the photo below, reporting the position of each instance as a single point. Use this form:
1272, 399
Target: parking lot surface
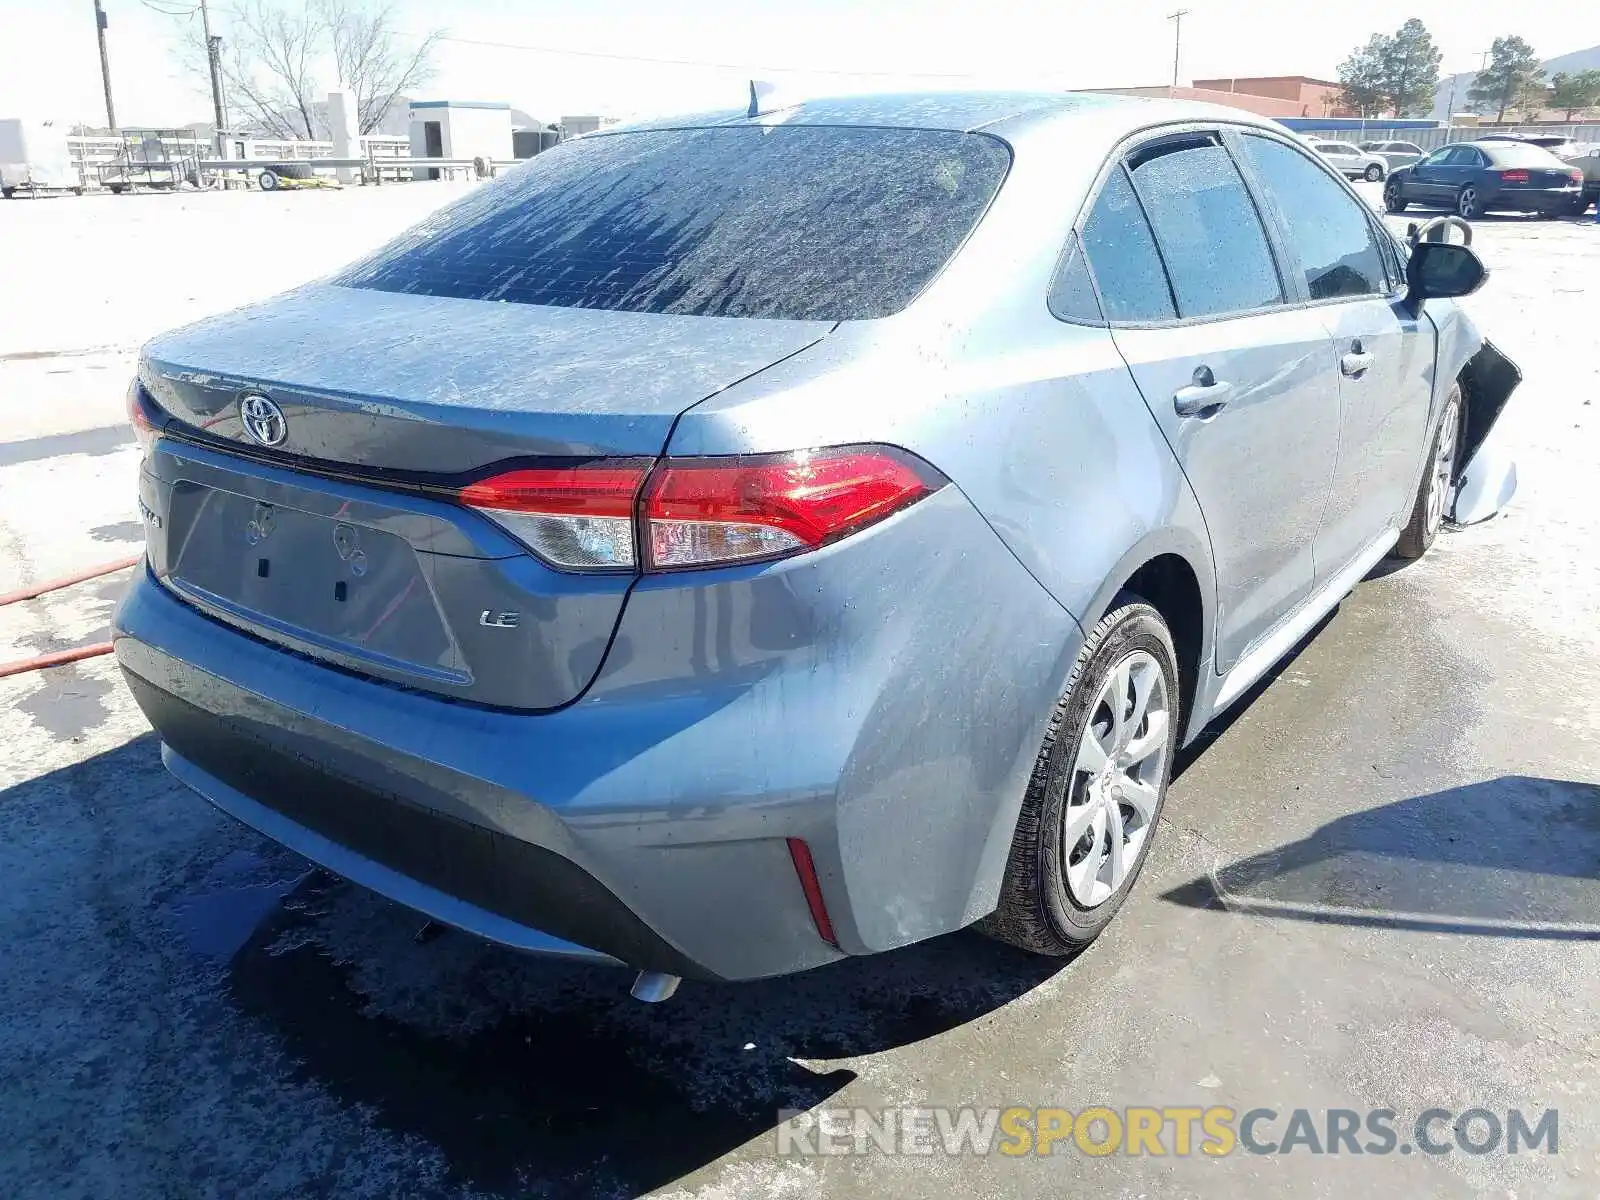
1378, 884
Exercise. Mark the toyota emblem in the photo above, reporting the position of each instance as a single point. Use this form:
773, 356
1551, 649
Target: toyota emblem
263, 420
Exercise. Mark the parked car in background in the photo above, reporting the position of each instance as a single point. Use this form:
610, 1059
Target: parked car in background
1395, 154
1558, 144
727, 546
1587, 160
1472, 178
1352, 161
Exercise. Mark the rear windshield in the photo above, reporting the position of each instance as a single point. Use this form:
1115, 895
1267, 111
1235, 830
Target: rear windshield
794, 222
1521, 154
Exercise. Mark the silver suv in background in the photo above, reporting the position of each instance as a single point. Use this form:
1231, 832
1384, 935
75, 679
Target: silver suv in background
731, 544
1351, 161
1394, 154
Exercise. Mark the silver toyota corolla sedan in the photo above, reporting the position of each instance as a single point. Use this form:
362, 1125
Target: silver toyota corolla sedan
723, 546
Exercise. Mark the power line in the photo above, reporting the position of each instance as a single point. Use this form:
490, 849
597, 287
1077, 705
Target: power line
168, 12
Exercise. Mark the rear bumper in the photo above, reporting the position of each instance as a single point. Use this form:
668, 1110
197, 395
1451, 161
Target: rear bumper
1534, 199
648, 823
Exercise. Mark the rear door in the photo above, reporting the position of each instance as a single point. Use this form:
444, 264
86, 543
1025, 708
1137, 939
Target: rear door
1385, 354
1242, 384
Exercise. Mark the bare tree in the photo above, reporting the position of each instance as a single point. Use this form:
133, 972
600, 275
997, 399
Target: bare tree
270, 59
371, 59
279, 57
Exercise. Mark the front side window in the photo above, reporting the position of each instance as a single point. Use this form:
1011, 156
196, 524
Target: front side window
789, 222
1436, 159
1329, 230
1208, 230
1122, 254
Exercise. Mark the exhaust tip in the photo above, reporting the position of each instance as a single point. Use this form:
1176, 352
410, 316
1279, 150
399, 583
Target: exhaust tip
655, 986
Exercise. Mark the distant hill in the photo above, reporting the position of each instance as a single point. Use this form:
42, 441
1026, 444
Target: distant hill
1578, 60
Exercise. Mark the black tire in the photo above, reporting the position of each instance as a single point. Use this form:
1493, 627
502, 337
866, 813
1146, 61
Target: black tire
267, 181
1037, 911
7, 193
1468, 203
1421, 531
1393, 198
1373, 173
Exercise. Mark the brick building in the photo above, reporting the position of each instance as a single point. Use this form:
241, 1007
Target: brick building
1264, 95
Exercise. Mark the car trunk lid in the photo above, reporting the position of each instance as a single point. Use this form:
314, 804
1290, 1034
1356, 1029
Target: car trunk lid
343, 541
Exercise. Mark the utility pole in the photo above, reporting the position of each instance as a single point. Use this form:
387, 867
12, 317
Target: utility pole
1177, 39
213, 57
105, 63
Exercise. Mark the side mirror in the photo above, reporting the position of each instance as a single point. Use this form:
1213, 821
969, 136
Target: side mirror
1440, 270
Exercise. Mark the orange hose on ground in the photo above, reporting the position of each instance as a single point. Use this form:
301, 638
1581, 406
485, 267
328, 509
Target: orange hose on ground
59, 658
39, 589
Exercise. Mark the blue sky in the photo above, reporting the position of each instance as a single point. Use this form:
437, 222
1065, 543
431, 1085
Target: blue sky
49, 67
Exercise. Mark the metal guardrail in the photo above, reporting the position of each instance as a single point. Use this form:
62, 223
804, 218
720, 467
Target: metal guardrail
89, 153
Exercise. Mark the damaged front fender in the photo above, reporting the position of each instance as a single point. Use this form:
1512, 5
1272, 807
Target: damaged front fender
1486, 475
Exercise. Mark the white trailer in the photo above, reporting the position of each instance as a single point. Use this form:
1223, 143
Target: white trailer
34, 158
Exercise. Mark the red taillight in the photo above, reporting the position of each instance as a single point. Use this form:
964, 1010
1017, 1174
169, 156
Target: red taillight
1575, 175
580, 517
1514, 177
598, 491
698, 512
139, 416
704, 511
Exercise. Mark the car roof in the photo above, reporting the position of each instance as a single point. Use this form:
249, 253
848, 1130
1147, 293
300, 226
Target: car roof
1000, 112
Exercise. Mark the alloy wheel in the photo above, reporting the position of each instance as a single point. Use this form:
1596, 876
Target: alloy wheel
1444, 460
1467, 203
1116, 781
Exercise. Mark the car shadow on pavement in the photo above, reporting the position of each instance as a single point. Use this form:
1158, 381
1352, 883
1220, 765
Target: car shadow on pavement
1513, 857
545, 1077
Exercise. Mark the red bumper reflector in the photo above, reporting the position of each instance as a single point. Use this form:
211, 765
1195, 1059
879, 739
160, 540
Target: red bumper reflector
809, 884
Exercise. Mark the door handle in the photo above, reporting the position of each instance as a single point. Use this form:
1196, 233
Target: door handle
1355, 363
1205, 397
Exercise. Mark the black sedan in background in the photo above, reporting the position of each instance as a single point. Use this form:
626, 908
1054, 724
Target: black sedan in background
1471, 178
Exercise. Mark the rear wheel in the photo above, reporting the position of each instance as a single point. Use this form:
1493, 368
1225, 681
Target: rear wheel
1091, 809
1468, 203
1373, 173
1394, 199
267, 181
1427, 513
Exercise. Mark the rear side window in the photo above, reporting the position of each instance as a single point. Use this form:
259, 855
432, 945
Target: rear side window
1511, 154
1208, 230
1123, 256
795, 222
1328, 230
1072, 295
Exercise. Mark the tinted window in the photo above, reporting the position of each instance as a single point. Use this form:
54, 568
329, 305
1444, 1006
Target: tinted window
1072, 296
1210, 236
794, 222
1328, 230
1510, 154
1122, 255
1435, 159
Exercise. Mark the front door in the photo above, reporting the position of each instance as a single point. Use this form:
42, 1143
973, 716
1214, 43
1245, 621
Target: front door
1243, 386
1348, 269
